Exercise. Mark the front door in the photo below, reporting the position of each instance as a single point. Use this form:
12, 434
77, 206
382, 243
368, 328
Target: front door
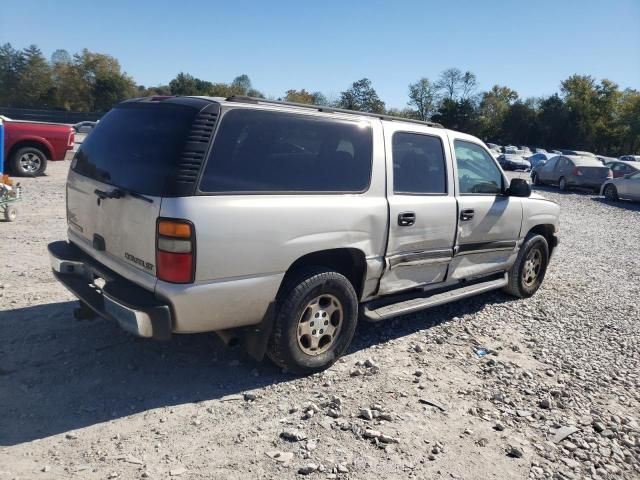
422, 207
489, 221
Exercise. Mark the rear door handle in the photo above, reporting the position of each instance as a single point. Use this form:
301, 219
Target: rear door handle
406, 219
467, 214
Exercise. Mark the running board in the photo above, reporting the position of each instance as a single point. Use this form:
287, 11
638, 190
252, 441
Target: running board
421, 303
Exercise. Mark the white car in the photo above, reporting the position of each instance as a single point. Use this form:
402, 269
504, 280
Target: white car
627, 187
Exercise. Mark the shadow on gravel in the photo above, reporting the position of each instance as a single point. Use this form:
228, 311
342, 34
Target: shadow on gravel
624, 204
58, 374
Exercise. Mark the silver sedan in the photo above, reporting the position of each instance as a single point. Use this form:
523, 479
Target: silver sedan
623, 187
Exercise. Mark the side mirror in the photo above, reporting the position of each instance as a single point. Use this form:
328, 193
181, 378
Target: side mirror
519, 188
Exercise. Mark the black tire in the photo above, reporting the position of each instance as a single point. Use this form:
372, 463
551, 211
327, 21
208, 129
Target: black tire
521, 284
28, 162
562, 184
286, 345
10, 213
535, 179
611, 193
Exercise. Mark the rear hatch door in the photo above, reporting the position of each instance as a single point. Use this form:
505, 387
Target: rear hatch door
139, 152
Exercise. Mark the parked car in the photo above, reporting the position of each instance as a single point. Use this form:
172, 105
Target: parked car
578, 153
620, 168
627, 187
513, 162
301, 218
540, 150
511, 149
29, 145
568, 171
604, 160
630, 158
84, 127
525, 152
494, 146
539, 157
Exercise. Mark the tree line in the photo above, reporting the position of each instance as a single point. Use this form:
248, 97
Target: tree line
584, 114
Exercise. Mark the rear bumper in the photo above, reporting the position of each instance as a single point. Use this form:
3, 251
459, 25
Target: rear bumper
595, 183
135, 309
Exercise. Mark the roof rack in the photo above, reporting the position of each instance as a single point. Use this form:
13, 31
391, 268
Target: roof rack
321, 108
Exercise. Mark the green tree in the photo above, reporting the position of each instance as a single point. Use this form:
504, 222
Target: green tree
11, 64
493, 108
36, 87
362, 97
423, 97
458, 115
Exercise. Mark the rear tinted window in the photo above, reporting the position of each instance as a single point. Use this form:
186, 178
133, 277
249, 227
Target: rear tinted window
266, 151
136, 146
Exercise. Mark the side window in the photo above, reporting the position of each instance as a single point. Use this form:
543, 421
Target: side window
562, 164
477, 171
418, 164
551, 164
263, 151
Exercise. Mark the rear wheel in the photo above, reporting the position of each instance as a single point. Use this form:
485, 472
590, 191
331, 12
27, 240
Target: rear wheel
611, 193
527, 273
315, 321
562, 184
28, 162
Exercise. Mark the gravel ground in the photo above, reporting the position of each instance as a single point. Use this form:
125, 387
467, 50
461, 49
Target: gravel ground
556, 396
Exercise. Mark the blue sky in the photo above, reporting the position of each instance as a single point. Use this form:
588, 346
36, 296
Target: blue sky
325, 45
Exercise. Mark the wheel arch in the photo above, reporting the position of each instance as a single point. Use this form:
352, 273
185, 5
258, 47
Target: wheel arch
40, 144
548, 231
350, 262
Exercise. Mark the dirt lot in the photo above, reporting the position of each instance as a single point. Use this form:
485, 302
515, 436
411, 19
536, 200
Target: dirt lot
412, 399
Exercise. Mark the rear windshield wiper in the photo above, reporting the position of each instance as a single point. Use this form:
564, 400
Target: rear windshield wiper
119, 193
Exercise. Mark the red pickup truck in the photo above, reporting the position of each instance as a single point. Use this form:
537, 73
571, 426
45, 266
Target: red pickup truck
29, 145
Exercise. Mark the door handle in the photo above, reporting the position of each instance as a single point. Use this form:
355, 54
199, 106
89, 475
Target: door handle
406, 219
467, 214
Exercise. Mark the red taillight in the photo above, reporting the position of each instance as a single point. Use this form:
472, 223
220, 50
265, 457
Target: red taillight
72, 139
175, 251
609, 174
175, 267
577, 172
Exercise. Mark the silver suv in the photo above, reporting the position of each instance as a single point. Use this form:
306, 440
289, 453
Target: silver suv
280, 225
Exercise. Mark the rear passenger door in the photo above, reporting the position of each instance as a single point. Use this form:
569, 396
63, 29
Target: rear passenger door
545, 173
562, 170
489, 221
422, 207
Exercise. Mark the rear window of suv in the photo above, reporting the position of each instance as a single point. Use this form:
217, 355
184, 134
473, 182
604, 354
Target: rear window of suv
136, 146
259, 151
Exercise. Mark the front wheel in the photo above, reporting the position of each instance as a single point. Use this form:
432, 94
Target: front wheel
611, 193
10, 213
315, 321
529, 269
535, 179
